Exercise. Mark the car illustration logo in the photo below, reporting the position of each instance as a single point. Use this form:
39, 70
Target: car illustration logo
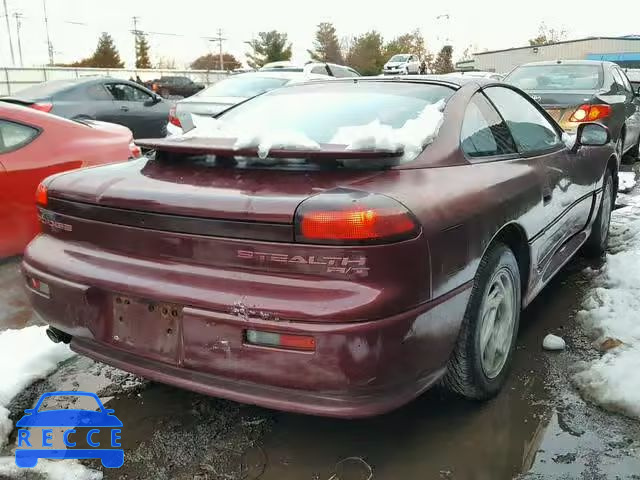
72, 426
537, 98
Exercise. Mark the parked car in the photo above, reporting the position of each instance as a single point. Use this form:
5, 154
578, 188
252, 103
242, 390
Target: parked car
330, 277
402, 64
233, 90
315, 68
178, 86
99, 98
34, 145
476, 74
578, 91
633, 74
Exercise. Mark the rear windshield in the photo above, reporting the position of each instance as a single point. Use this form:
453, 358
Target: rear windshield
45, 89
248, 86
321, 111
557, 77
399, 58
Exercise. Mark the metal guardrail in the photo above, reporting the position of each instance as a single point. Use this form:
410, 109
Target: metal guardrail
13, 79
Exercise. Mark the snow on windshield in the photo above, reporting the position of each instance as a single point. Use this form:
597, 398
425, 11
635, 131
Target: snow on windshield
412, 137
387, 123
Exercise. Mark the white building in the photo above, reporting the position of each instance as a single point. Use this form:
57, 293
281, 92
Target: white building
622, 50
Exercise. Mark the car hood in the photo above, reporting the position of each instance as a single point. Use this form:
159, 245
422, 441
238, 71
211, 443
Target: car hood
69, 418
394, 64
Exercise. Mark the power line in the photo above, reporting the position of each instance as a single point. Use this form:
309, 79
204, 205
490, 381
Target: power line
18, 15
219, 39
46, 26
6, 17
135, 32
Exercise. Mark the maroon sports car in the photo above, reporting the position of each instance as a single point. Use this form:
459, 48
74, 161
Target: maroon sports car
341, 274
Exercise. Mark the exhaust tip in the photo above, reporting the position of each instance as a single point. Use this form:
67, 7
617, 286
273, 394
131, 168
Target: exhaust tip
57, 336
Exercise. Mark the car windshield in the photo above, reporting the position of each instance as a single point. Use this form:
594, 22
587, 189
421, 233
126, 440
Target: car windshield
557, 77
399, 58
245, 86
320, 111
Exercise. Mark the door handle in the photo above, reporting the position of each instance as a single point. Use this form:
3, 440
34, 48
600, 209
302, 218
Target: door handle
124, 108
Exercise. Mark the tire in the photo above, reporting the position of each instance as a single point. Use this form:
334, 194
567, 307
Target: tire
596, 244
470, 372
634, 153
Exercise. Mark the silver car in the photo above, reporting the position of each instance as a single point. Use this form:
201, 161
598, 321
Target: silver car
229, 92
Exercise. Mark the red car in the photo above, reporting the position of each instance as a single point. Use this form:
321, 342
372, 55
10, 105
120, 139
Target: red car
388, 243
34, 145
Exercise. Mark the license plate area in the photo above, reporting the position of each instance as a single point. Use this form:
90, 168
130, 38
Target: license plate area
147, 328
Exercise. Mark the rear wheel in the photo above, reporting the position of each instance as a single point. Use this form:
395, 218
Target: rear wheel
634, 153
596, 244
482, 356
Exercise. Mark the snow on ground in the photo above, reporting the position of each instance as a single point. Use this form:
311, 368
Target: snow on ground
26, 355
50, 469
610, 316
626, 181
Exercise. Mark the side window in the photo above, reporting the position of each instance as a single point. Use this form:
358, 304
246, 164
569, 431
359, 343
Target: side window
126, 93
97, 92
340, 72
15, 135
625, 81
319, 69
484, 134
530, 129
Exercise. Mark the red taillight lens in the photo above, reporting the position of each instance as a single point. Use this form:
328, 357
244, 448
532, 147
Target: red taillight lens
173, 120
41, 195
134, 151
42, 107
590, 113
352, 218
280, 340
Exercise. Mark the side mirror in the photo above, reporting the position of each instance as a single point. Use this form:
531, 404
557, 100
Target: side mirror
155, 99
592, 135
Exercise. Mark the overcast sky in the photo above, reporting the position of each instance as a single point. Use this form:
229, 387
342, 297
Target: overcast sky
75, 25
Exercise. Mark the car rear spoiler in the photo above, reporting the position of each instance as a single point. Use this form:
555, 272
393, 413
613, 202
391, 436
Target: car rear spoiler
225, 147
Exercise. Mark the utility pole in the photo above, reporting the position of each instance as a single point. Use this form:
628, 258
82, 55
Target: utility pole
135, 41
219, 39
46, 26
6, 16
18, 15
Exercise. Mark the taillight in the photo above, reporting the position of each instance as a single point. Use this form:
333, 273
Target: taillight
590, 113
280, 340
42, 107
348, 217
173, 120
41, 195
134, 151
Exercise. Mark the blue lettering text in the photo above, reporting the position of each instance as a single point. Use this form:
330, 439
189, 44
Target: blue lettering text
23, 435
115, 436
90, 440
66, 437
47, 434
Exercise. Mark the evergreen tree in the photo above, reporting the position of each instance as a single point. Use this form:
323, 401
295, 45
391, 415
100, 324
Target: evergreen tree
142, 51
326, 47
443, 62
211, 61
106, 54
269, 47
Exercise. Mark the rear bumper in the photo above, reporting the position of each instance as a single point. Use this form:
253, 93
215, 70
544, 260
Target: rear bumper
358, 369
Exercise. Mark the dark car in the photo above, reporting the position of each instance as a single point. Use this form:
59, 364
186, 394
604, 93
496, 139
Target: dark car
100, 98
578, 91
175, 86
319, 275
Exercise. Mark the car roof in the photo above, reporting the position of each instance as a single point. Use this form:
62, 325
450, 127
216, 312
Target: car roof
278, 74
454, 82
567, 62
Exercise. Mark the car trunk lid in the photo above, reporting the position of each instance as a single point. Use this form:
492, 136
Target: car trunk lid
562, 104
